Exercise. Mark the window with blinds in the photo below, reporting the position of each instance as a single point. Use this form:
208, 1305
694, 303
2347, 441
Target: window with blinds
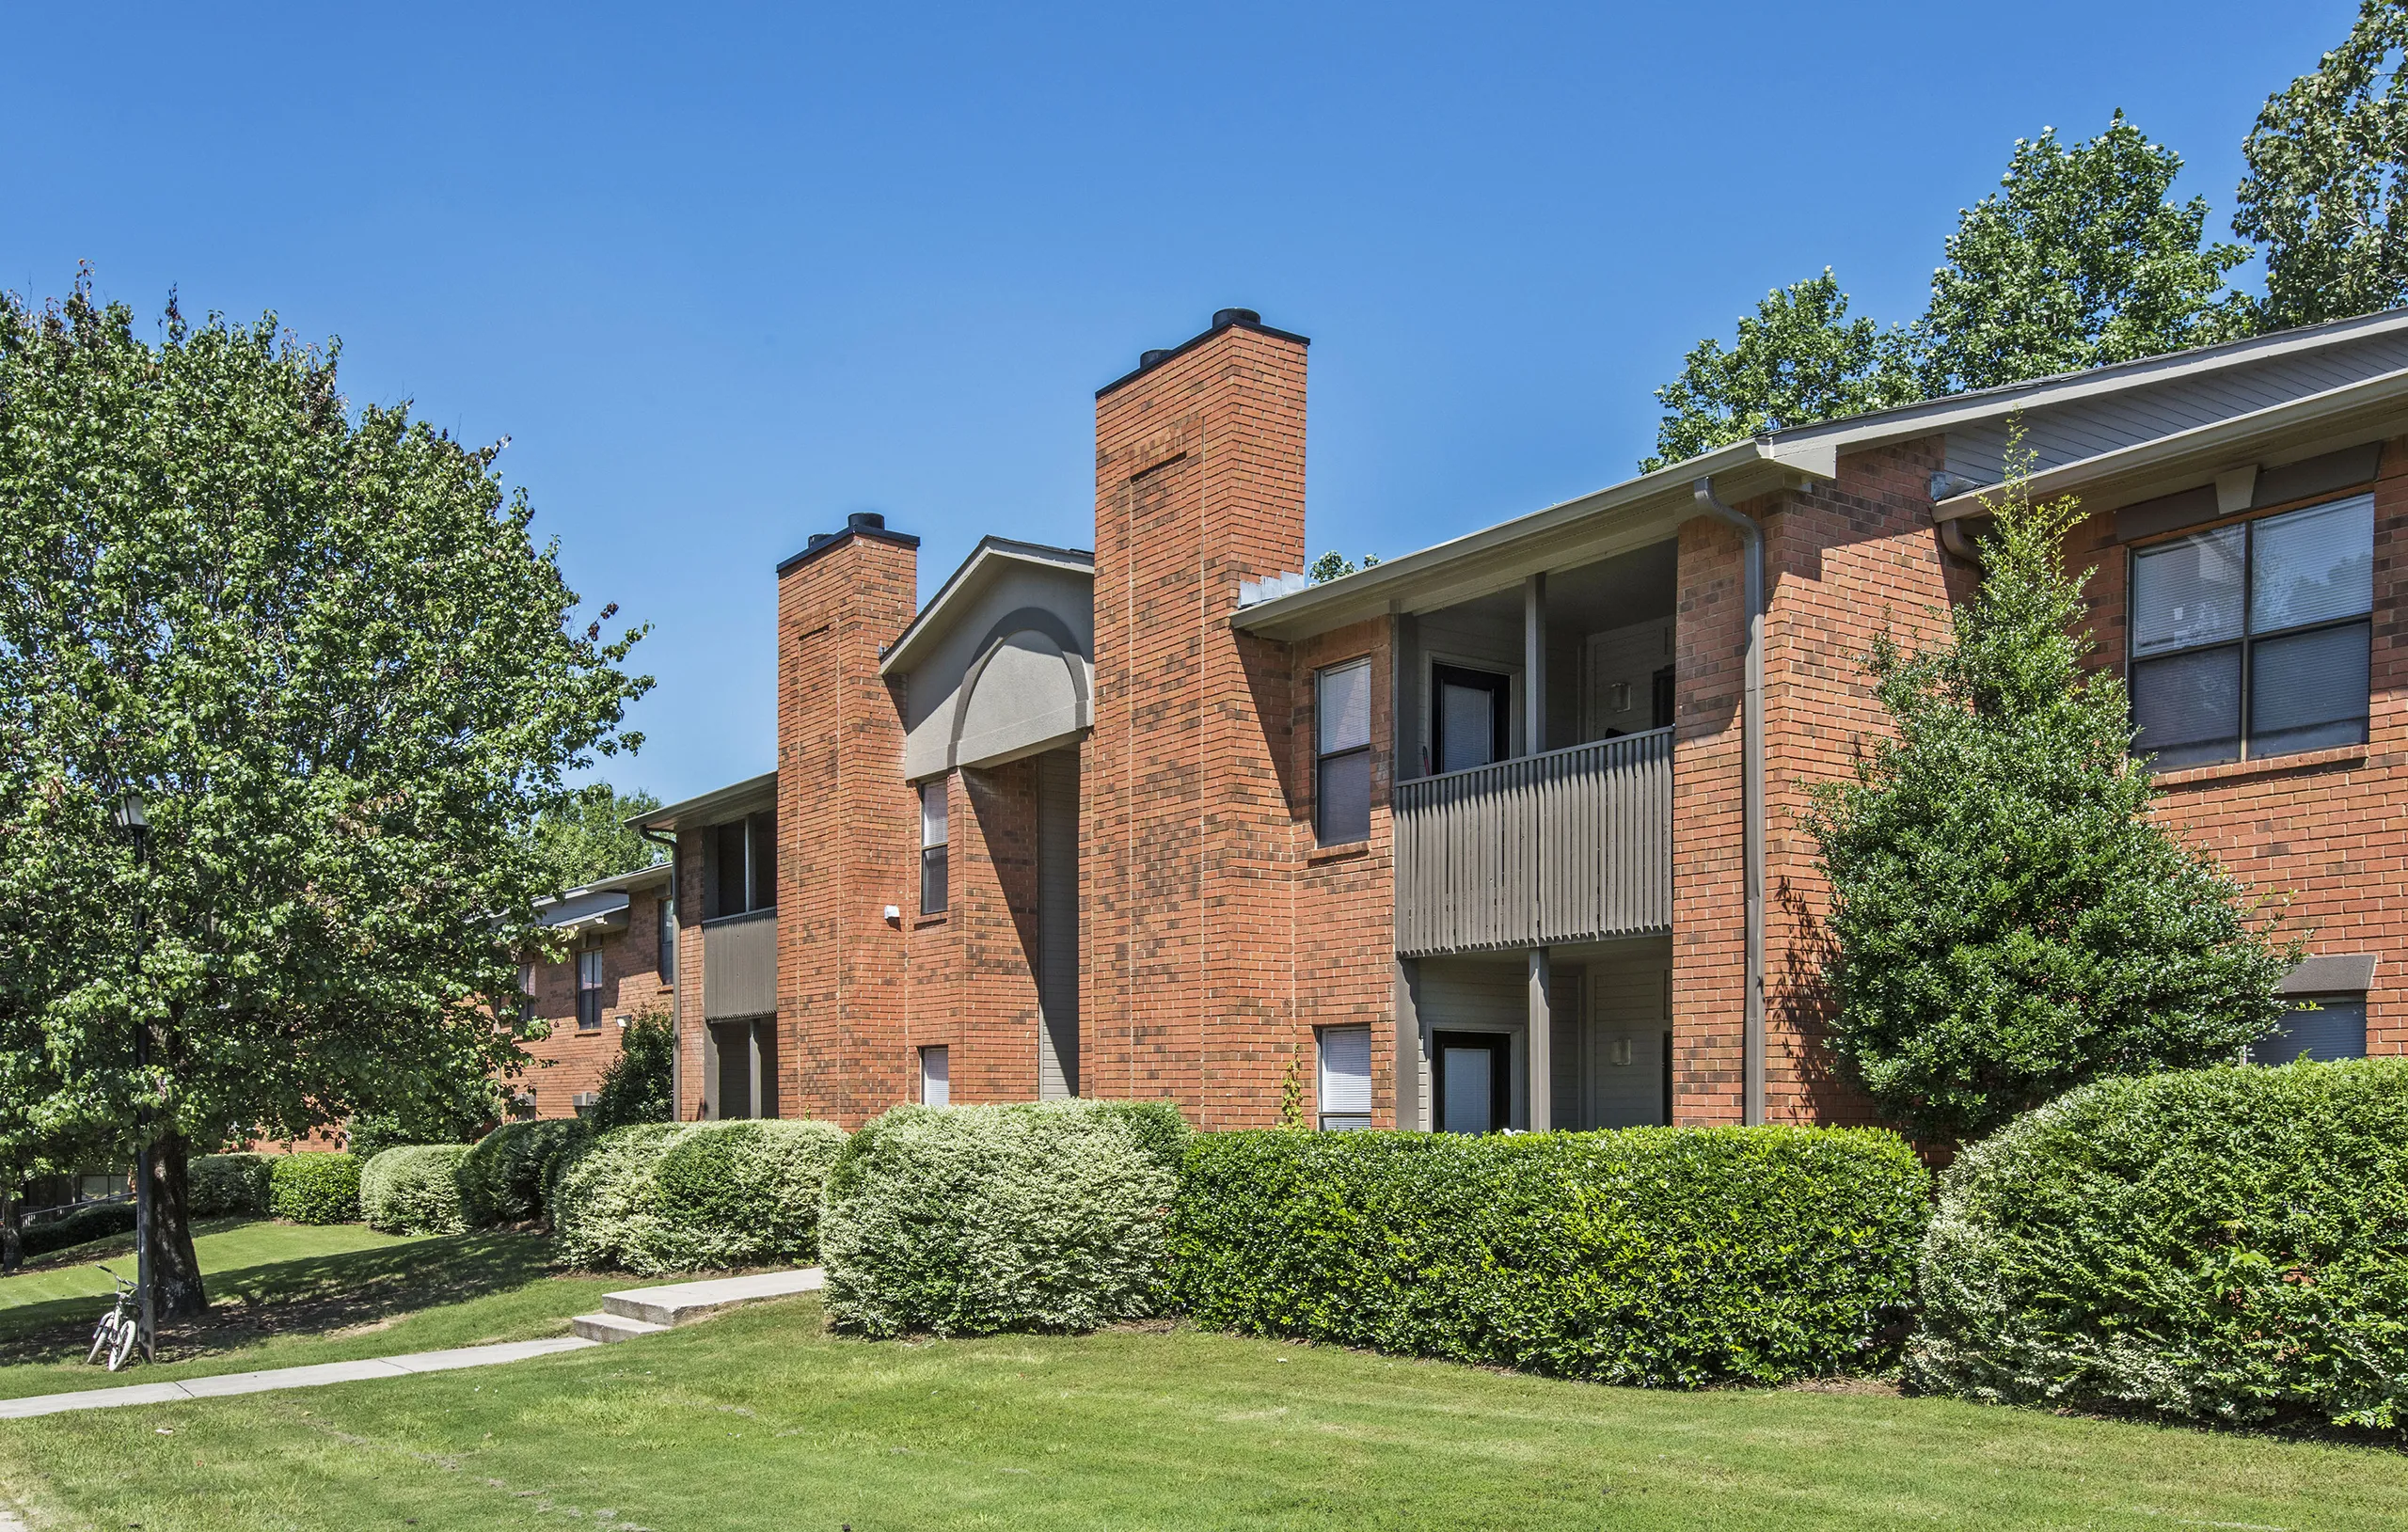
935, 838
1342, 782
2254, 639
1345, 1095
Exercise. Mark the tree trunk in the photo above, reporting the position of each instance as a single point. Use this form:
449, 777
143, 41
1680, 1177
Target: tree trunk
12, 1243
175, 1268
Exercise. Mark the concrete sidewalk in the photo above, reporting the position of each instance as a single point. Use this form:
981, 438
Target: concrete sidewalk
261, 1382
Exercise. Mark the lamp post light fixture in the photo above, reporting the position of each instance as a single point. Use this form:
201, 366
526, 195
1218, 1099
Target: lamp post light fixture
131, 819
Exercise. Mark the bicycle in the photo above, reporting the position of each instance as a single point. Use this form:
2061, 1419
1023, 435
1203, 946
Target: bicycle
119, 1328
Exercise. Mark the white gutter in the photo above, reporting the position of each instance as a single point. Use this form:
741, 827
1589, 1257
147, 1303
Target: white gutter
1751, 798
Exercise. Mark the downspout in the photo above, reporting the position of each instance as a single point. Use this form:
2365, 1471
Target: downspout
1751, 753
676, 981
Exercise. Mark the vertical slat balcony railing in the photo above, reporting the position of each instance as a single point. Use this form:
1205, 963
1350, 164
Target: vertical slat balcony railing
1572, 846
740, 965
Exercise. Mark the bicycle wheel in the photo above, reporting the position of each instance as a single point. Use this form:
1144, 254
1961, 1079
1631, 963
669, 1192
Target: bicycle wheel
124, 1346
103, 1336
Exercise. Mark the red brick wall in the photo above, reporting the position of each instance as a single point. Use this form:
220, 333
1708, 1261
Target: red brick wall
2320, 834
973, 984
847, 833
569, 1061
1846, 561
1842, 561
692, 1085
1188, 833
1344, 919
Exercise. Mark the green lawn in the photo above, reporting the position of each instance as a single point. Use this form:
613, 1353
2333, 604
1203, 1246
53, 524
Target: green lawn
761, 1420
285, 1295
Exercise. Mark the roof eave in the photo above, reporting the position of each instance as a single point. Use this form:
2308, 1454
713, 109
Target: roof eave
708, 806
1935, 416
1612, 520
2369, 410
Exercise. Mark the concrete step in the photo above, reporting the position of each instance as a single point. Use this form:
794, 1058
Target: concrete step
609, 1327
683, 1302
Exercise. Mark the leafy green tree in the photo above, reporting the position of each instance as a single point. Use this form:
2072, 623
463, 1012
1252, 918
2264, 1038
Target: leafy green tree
2077, 260
1799, 359
2008, 920
457, 1112
587, 837
636, 1086
324, 648
2327, 190
1330, 565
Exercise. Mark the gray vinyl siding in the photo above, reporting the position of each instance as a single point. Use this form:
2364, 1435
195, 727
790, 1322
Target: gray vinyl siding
1057, 924
2062, 433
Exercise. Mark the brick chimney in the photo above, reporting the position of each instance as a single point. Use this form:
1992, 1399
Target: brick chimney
1186, 836
845, 823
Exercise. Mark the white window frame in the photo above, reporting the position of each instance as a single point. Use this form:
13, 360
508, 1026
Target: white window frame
1323, 758
1342, 1098
936, 843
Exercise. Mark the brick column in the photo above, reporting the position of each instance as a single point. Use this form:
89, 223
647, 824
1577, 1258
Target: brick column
846, 828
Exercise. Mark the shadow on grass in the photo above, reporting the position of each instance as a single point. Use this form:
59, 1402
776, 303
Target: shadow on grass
311, 1295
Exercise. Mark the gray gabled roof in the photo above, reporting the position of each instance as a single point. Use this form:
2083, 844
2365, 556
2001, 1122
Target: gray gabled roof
963, 586
2217, 397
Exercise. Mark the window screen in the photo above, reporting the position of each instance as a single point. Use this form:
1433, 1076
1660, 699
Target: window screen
936, 1077
2330, 1027
935, 835
1343, 782
1345, 1093
2252, 639
665, 934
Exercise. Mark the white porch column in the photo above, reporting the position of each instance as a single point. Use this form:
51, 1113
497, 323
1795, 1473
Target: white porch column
1539, 1048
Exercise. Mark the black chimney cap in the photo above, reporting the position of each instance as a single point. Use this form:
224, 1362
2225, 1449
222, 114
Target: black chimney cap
1222, 318
1148, 358
865, 521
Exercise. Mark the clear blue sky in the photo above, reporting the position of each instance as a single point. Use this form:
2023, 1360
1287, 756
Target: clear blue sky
725, 274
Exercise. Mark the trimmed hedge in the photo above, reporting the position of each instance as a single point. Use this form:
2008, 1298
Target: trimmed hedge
415, 1188
314, 1188
655, 1198
2220, 1244
970, 1220
83, 1225
1659, 1257
510, 1171
218, 1184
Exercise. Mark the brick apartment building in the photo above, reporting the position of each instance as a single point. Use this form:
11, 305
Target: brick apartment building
619, 962
1503, 832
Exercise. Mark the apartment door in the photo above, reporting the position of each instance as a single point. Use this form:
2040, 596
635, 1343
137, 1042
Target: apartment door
1471, 716
1472, 1081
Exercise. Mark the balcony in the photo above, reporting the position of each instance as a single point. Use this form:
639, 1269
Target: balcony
1573, 844
740, 966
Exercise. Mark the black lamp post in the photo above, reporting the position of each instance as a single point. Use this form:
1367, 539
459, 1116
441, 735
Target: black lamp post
131, 819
